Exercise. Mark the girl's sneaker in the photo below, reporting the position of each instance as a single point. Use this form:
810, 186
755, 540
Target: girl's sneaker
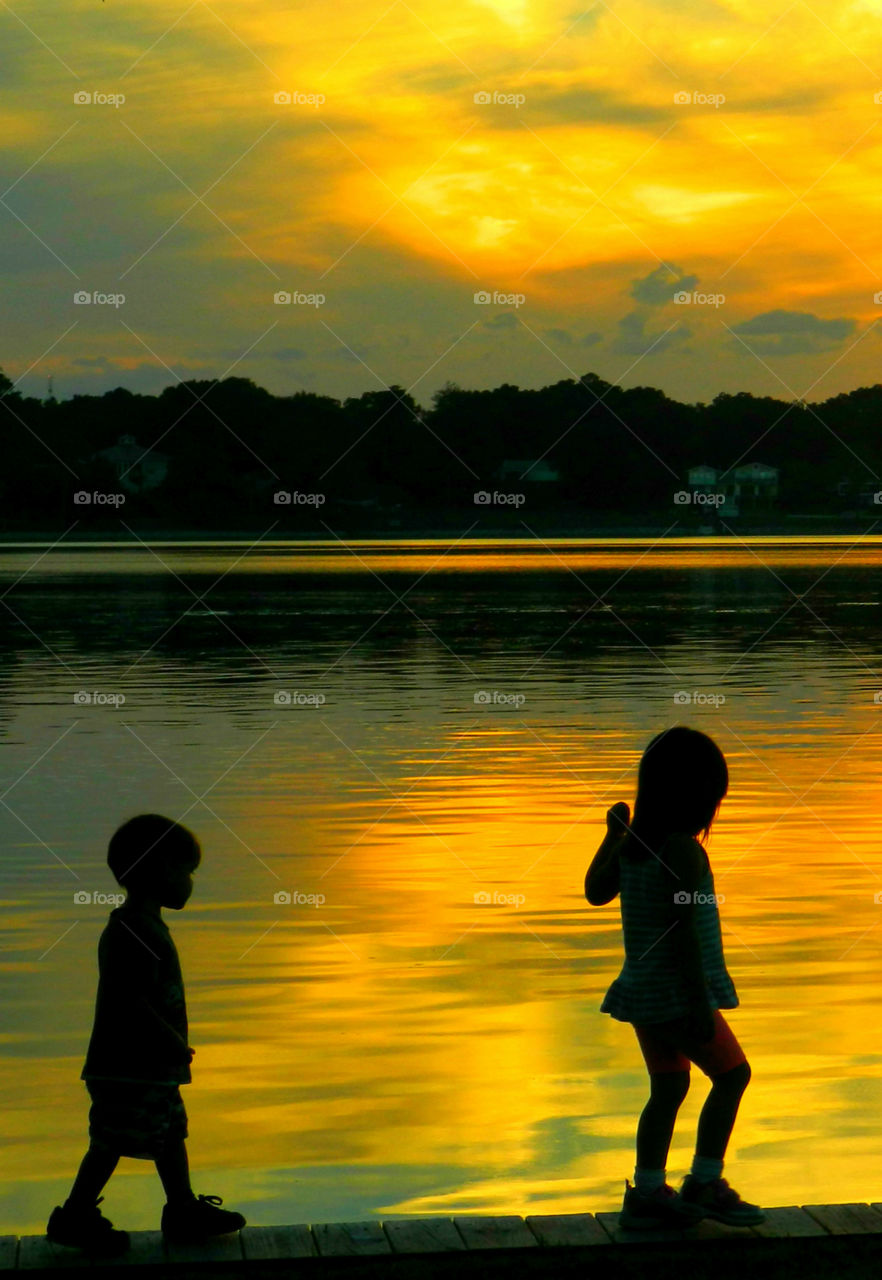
86, 1229
663, 1208
720, 1201
200, 1218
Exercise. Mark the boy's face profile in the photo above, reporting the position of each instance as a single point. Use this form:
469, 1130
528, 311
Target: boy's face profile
176, 886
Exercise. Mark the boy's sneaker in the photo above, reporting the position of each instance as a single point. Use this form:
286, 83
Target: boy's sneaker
660, 1209
200, 1218
720, 1201
86, 1229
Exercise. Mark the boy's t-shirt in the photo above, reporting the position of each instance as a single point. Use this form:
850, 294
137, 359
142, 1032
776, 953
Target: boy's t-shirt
138, 966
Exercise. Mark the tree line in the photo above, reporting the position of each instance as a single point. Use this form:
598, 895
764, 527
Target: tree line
229, 446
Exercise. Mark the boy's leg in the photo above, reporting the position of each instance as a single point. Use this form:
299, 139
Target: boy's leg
174, 1171
97, 1165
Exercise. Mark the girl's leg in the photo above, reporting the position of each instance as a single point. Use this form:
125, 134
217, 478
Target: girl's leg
174, 1171
656, 1125
97, 1165
719, 1111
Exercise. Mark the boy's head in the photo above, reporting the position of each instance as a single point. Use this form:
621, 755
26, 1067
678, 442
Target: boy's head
152, 855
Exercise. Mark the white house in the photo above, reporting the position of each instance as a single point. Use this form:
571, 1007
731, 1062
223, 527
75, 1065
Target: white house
136, 468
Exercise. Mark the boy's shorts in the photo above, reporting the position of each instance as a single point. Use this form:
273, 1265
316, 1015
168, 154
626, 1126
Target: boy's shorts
135, 1119
664, 1048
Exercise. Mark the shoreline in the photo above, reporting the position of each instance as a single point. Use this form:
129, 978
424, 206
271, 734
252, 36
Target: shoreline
794, 527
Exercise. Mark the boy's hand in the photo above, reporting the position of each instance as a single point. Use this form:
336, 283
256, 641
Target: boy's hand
617, 819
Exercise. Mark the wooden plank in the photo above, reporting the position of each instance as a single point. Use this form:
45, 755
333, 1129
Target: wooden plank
508, 1232
789, 1221
225, 1248
8, 1252
146, 1248
277, 1242
610, 1223
38, 1251
423, 1235
339, 1238
710, 1229
554, 1230
846, 1219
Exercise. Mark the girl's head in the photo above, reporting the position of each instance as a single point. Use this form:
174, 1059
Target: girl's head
680, 783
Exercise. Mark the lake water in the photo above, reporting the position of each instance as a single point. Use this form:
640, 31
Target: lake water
418, 744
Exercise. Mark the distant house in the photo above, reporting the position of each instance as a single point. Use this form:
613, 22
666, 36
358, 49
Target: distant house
529, 470
755, 485
136, 468
752, 487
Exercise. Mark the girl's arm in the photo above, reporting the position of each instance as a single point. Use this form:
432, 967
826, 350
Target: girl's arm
685, 858
602, 878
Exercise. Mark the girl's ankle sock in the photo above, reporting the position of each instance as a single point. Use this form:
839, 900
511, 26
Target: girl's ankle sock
706, 1169
649, 1180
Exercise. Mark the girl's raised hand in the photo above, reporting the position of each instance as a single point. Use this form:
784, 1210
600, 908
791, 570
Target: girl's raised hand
617, 819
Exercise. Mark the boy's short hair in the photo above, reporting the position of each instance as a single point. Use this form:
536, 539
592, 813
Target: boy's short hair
141, 848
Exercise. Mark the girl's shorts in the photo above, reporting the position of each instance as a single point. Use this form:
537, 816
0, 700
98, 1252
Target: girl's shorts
139, 1120
665, 1048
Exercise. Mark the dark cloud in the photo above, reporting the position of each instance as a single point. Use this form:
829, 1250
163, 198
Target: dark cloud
633, 340
502, 320
567, 339
660, 285
548, 104
790, 333
289, 353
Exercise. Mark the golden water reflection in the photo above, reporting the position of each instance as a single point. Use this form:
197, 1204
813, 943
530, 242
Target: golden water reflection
427, 1039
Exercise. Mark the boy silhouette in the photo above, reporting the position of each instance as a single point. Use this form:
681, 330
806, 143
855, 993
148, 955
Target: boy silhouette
138, 1055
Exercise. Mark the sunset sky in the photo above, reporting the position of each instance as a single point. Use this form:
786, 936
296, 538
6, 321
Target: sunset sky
582, 197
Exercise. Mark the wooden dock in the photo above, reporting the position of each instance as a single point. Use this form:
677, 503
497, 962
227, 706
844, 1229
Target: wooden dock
817, 1242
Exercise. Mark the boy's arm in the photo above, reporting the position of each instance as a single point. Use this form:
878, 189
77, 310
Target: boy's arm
602, 878
165, 1030
684, 857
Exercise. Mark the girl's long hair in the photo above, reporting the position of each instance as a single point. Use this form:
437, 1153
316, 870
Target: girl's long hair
681, 780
